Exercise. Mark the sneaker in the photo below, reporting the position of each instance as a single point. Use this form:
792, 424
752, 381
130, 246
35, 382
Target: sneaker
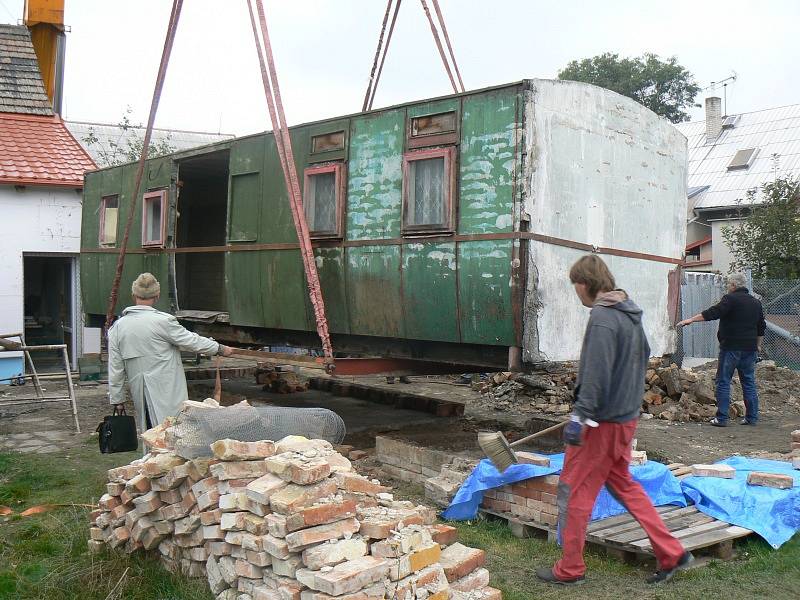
717, 423
546, 575
746, 422
667, 574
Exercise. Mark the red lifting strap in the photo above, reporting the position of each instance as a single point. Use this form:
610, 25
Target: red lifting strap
284, 145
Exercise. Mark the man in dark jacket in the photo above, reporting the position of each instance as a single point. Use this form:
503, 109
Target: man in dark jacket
608, 397
741, 334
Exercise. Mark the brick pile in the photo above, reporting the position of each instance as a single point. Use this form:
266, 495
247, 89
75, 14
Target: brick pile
406, 461
288, 520
532, 500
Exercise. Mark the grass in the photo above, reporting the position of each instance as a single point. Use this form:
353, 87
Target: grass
758, 572
45, 557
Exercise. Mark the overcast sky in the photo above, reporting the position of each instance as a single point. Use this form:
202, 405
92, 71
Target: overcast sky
324, 50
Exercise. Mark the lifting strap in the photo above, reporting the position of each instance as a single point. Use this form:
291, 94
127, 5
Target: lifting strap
162, 72
284, 146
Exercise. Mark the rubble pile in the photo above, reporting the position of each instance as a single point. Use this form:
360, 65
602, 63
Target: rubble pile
279, 380
670, 393
549, 391
286, 520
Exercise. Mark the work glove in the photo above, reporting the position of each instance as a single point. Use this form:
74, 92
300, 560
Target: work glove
573, 431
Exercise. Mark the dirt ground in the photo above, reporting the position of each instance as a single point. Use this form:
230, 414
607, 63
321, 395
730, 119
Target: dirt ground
663, 440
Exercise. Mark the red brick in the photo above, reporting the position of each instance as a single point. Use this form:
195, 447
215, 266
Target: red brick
293, 497
529, 458
109, 502
378, 523
238, 469
723, 471
773, 480
345, 578
211, 517
319, 514
549, 498
459, 561
352, 482
443, 534
478, 579
358, 455
234, 450
300, 540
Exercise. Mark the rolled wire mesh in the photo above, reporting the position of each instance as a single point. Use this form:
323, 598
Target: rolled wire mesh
197, 428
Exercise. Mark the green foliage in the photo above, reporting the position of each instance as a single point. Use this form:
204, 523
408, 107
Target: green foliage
767, 241
665, 87
128, 146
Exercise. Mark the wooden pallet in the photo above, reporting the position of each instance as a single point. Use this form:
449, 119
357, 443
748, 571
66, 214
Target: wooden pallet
623, 537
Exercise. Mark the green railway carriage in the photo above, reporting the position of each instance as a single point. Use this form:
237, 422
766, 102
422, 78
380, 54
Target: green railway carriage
421, 215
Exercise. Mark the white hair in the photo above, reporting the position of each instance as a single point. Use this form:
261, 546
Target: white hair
738, 280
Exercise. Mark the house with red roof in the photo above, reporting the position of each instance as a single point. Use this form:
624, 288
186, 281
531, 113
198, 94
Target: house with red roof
41, 181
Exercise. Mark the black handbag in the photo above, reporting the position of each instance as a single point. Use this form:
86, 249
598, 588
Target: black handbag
118, 432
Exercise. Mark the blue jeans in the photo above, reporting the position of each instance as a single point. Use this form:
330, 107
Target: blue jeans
731, 361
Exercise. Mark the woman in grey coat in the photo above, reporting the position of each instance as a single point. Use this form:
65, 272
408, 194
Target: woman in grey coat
144, 347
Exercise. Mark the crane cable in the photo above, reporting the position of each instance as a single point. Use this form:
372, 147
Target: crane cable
284, 146
377, 56
383, 58
439, 45
162, 73
447, 40
381, 51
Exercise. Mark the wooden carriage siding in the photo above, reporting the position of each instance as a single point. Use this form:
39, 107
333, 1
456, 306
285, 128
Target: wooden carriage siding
377, 279
539, 172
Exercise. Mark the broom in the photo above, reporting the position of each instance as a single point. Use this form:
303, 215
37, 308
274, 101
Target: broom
500, 452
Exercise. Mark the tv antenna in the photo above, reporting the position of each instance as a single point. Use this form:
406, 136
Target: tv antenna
724, 82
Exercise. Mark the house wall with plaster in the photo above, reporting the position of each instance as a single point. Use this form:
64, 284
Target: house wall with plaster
601, 170
35, 219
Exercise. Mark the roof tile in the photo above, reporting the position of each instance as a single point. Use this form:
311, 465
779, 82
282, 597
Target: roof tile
40, 149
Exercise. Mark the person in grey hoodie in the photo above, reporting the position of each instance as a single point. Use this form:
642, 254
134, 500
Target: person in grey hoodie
599, 436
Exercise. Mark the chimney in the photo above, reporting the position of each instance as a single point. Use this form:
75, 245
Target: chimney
713, 118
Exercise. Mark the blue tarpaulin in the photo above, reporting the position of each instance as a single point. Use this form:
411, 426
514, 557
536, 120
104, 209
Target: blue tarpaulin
656, 479
773, 514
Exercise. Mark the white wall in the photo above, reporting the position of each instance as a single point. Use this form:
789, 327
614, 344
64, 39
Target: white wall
34, 219
602, 170
721, 256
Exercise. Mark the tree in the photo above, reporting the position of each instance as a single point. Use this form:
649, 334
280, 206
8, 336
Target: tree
665, 87
767, 241
128, 146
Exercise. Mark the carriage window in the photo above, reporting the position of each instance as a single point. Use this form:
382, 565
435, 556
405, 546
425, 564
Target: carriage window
322, 200
154, 206
428, 190
327, 142
109, 208
433, 124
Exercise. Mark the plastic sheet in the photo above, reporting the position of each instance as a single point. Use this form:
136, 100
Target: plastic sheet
658, 482
773, 514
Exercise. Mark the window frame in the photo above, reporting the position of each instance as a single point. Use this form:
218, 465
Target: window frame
337, 168
148, 197
427, 140
101, 241
448, 188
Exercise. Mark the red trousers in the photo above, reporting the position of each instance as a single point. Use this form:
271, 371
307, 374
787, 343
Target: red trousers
603, 459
